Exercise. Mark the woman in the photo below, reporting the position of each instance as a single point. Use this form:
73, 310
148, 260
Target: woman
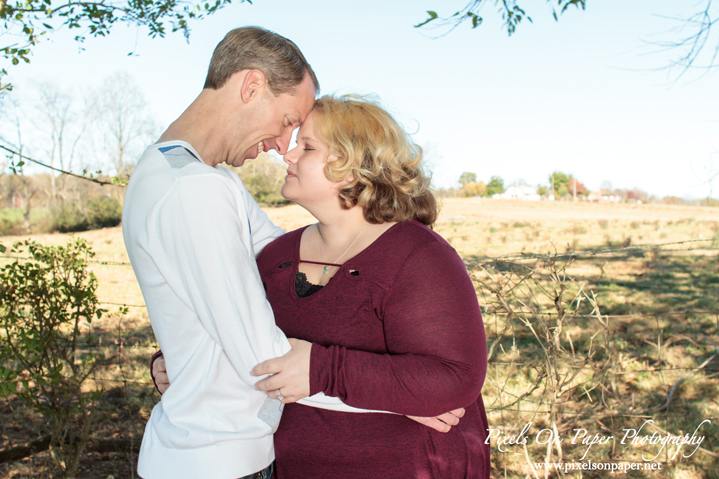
386, 303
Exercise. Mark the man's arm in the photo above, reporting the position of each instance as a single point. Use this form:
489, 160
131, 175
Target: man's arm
203, 231
206, 235
262, 230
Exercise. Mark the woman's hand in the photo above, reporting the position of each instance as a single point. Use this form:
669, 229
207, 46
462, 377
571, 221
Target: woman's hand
159, 371
441, 423
290, 373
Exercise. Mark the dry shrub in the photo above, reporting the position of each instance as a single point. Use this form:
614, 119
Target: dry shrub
557, 363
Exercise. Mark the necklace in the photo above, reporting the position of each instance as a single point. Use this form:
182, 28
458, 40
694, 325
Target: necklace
348, 248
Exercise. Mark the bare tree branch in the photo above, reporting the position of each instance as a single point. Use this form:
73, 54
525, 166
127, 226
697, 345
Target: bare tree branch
693, 47
94, 180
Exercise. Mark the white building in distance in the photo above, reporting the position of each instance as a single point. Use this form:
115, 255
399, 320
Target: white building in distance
519, 192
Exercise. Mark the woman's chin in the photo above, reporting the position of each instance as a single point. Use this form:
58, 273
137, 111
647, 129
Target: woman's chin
287, 194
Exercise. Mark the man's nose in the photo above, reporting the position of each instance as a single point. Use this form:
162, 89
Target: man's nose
283, 142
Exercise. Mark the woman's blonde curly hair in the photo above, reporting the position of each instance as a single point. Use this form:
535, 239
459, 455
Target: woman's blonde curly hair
388, 182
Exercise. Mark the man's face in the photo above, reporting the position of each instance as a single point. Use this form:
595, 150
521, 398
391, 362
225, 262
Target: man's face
276, 119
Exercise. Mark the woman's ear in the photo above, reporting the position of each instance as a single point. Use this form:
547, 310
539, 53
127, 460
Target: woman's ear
349, 179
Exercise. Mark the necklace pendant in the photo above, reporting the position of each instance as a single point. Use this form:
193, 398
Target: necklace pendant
325, 271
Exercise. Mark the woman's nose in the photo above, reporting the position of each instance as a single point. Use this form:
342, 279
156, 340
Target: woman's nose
291, 156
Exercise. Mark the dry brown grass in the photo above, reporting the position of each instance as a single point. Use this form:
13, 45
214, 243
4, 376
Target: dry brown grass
652, 285
474, 226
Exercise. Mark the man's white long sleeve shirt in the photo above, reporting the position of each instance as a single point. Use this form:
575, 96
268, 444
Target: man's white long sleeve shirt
192, 233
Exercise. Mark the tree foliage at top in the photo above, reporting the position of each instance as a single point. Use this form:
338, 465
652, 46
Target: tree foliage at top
697, 48
25, 21
512, 14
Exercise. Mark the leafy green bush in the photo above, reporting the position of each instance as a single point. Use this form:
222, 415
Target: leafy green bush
68, 218
103, 212
46, 306
98, 212
263, 177
9, 227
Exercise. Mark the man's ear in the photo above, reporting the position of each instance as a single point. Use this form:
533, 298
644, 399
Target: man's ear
252, 85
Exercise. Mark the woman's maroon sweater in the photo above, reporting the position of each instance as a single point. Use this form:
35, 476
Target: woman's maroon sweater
398, 328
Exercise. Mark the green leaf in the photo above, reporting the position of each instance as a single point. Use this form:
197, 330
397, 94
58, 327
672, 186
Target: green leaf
432, 16
476, 19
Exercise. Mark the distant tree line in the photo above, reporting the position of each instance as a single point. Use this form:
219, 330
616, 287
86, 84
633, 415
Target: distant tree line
563, 186
469, 186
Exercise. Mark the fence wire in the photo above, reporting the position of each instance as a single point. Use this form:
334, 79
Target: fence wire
504, 258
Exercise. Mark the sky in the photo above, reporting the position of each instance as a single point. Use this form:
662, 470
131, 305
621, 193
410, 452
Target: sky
585, 95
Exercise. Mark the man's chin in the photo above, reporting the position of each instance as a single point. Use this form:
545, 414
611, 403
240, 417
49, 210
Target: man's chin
237, 162
248, 156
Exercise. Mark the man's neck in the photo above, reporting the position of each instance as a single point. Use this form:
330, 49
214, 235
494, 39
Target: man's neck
201, 125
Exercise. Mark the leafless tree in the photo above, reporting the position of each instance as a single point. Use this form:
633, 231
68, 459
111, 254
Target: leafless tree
692, 39
123, 123
62, 123
25, 187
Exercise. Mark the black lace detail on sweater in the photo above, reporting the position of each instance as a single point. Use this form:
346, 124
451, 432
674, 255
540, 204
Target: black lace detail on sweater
303, 287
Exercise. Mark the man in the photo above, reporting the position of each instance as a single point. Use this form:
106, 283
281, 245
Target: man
192, 232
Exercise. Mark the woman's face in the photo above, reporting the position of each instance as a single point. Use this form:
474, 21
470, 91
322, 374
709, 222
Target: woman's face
306, 182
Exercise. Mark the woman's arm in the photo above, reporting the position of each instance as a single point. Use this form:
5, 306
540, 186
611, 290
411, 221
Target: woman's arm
158, 373
437, 357
441, 423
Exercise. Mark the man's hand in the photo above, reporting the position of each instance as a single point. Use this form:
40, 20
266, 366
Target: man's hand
441, 423
290, 373
160, 372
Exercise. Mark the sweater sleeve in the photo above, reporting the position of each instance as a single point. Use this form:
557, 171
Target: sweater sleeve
437, 349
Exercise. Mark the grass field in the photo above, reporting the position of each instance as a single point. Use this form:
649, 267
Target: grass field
658, 322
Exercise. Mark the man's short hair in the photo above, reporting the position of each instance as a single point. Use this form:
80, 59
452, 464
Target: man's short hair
254, 48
